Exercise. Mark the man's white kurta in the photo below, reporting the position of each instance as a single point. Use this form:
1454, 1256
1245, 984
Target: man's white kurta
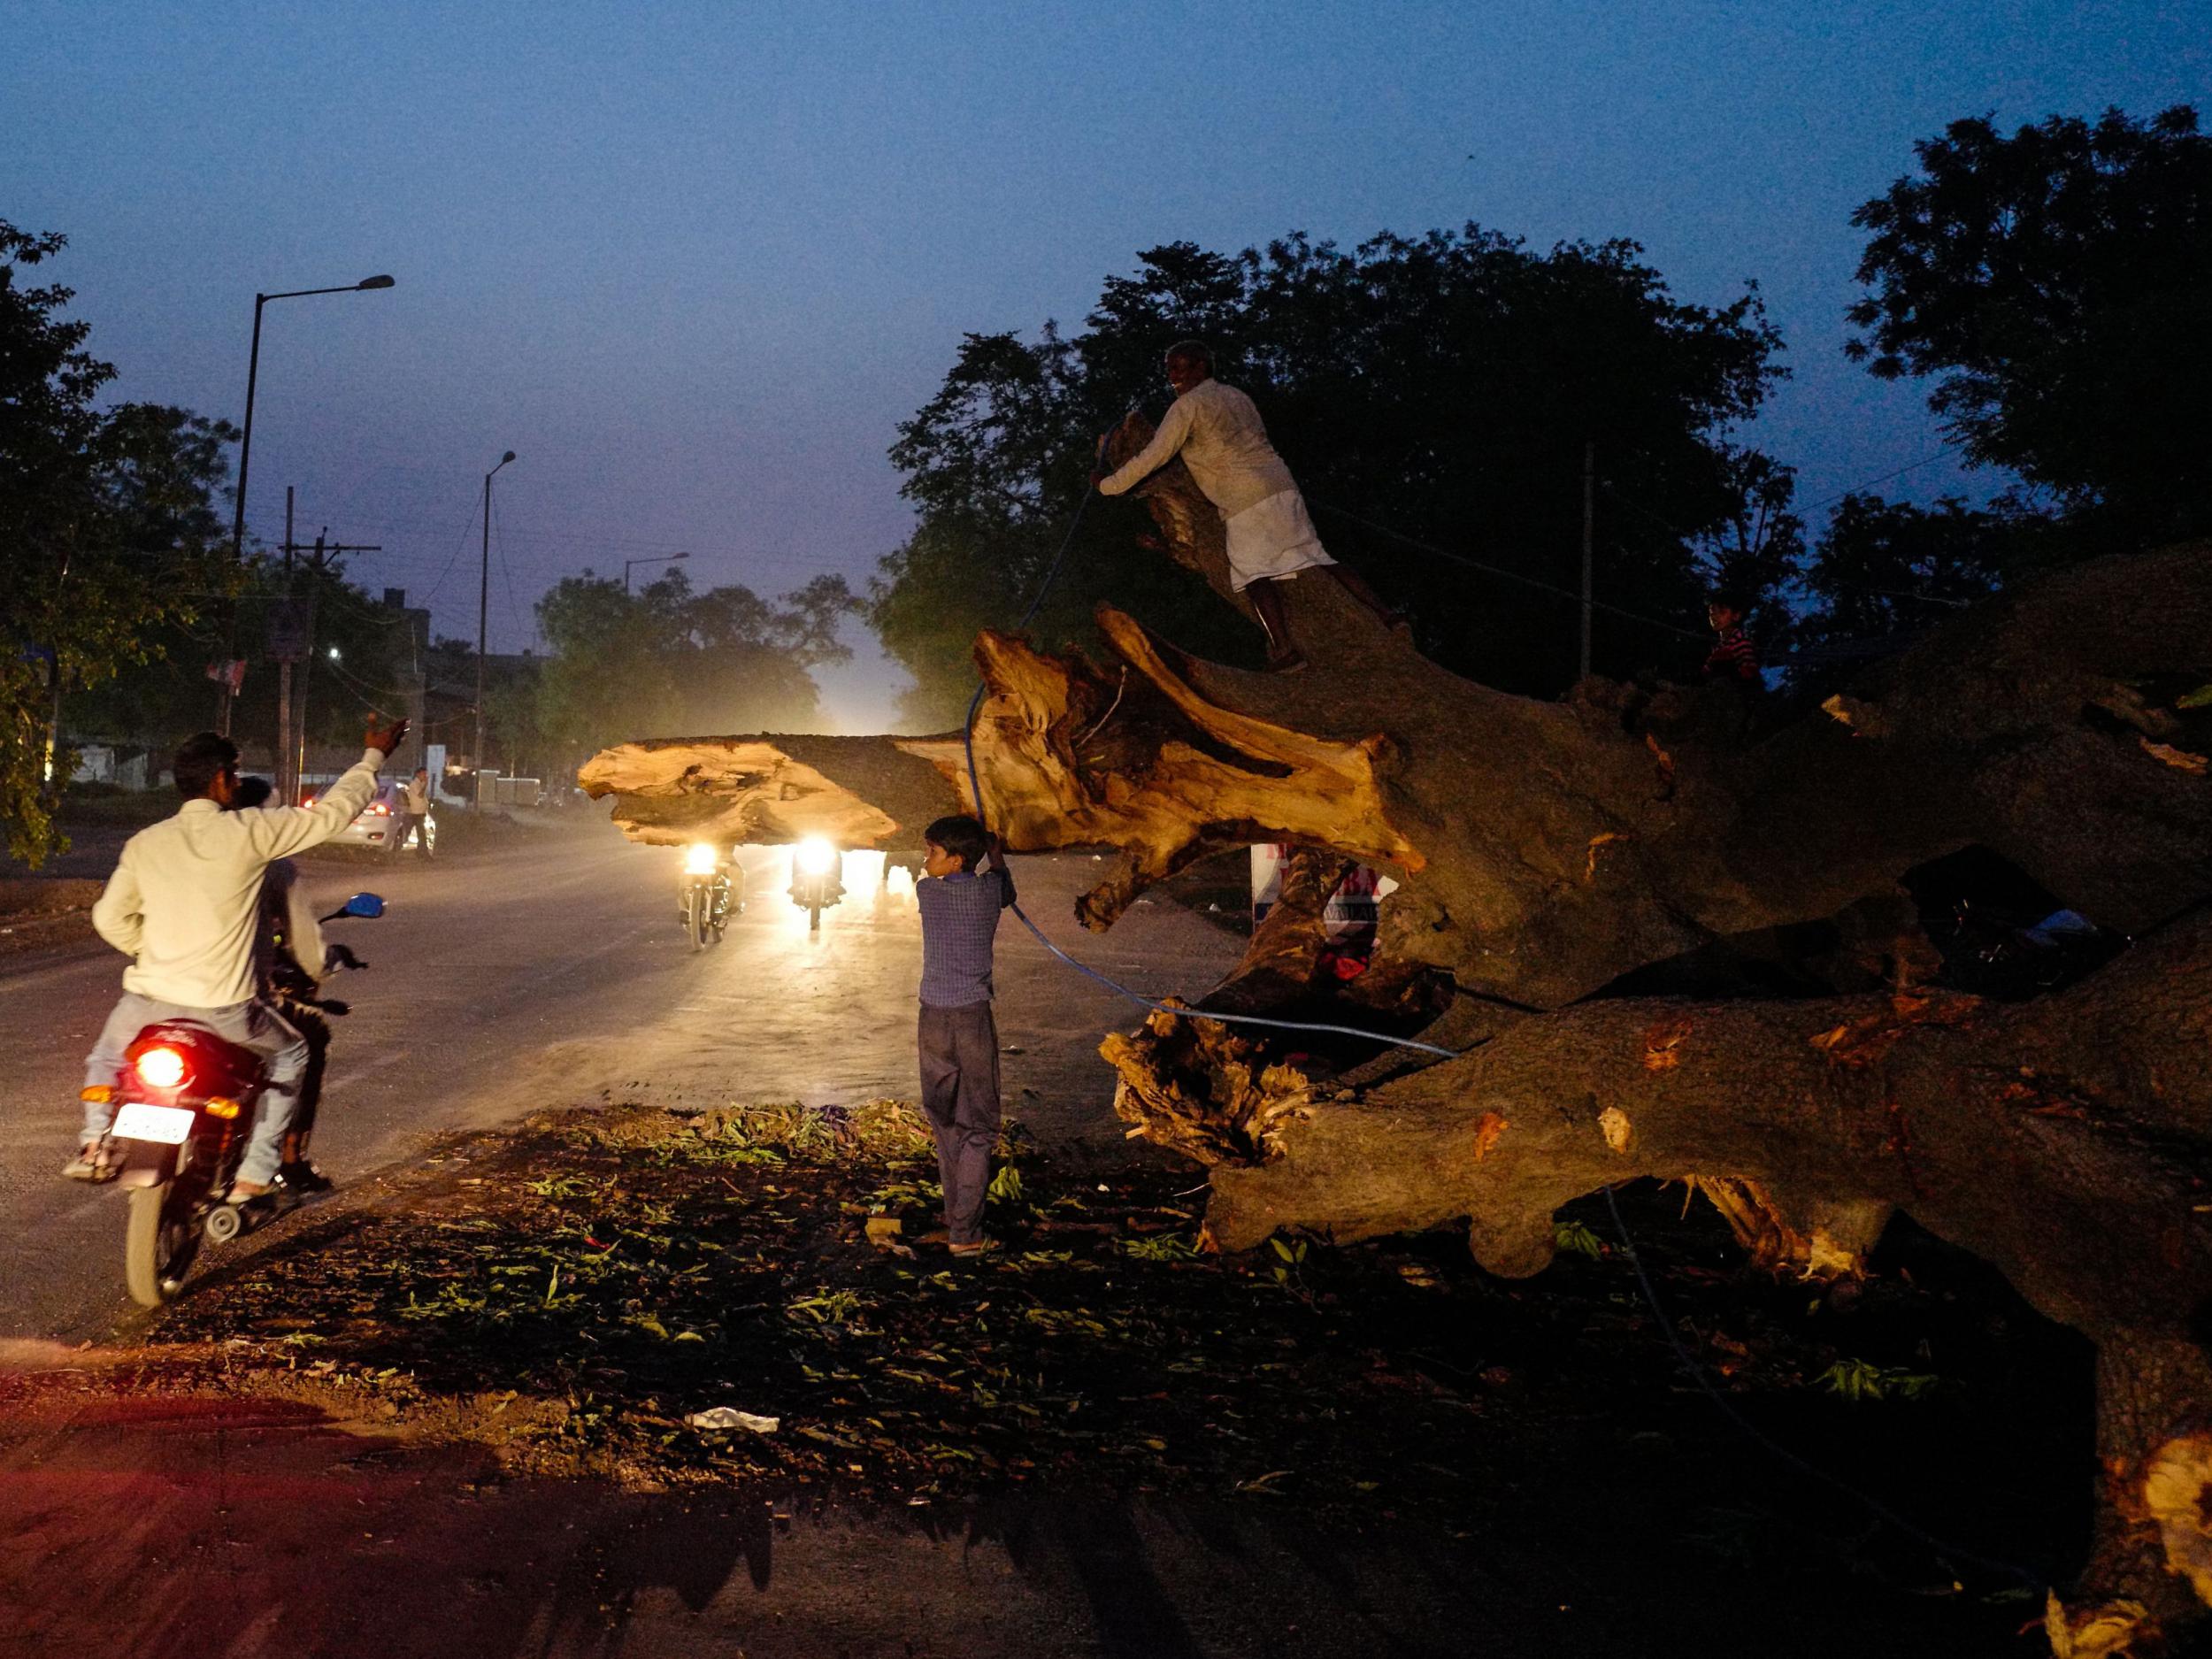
1217, 432
185, 899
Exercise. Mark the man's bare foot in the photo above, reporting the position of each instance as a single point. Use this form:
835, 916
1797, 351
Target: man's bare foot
981, 1247
246, 1192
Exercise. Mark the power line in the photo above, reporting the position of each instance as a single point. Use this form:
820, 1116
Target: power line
525, 534
506, 575
1900, 473
1511, 576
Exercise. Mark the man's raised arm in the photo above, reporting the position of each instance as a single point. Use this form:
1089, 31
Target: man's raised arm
1173, 429
279, 831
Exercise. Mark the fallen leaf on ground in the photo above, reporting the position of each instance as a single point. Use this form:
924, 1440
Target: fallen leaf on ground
2180, 759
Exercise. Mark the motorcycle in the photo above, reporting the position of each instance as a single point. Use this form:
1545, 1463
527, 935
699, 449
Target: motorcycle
710, 897
184, 1105
818, 870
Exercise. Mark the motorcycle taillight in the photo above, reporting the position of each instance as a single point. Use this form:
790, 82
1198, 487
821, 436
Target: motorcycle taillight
160, 1067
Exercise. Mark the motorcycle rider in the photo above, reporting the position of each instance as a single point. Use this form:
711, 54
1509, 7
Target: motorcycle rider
185, 904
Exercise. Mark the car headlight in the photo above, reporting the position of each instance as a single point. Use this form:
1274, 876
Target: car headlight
699, 859
815, 856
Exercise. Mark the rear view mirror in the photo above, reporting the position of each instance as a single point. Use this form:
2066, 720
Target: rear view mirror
366, 904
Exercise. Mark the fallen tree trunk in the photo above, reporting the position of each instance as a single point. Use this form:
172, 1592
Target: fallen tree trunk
2066, 1141
1546, 852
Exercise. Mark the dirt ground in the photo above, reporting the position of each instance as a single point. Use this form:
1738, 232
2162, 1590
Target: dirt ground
1105, 1441
40, 910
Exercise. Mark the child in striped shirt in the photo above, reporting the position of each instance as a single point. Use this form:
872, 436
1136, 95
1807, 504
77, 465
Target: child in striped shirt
1733, 657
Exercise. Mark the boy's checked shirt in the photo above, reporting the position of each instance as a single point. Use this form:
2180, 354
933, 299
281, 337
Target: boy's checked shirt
959, 920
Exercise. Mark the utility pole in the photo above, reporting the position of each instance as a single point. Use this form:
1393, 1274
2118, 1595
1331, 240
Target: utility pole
291, 720
288, 783
483, 607
1589, 514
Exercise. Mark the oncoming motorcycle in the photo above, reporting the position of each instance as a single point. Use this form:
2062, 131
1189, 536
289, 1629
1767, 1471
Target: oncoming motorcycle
184, 1108
818, 872
713, 891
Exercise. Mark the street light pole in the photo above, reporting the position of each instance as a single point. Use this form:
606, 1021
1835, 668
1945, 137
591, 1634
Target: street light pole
627, 564
483, 607
245, 457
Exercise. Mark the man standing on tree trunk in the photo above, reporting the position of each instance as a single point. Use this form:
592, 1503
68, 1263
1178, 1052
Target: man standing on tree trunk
1218, 433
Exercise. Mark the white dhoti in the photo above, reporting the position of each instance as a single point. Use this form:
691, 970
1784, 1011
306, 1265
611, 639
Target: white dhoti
1272, 538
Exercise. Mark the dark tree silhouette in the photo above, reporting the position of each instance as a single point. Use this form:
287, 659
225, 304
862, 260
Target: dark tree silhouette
2054, 283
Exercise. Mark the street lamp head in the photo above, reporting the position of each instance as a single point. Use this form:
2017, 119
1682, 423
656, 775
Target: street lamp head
374, 283
506, 457
333, 653
673, 557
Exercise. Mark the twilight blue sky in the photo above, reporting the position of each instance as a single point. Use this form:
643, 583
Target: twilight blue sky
694, 262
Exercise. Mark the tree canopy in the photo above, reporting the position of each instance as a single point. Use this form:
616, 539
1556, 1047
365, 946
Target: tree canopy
111, 532
1885, 568
2054, 283
1442, 387
667, 658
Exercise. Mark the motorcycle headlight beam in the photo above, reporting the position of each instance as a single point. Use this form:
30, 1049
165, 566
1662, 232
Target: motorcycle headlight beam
816, 855
700, 859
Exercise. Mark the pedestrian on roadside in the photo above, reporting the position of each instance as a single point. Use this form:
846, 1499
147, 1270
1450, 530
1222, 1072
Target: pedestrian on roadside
414, 807
957, 1036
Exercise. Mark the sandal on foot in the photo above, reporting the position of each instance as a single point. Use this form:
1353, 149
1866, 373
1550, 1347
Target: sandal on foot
90, 1164
981, 1247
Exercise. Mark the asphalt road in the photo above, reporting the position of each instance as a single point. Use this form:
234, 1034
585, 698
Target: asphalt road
549, 971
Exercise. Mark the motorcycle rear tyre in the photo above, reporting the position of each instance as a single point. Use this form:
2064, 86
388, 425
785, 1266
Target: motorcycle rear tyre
696, 919
157, 1247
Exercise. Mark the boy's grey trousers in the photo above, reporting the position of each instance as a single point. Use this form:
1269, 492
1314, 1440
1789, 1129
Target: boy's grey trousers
959, 1053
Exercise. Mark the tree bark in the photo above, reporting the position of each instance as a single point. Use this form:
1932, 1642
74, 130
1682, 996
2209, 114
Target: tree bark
1547, 850
2065, 1139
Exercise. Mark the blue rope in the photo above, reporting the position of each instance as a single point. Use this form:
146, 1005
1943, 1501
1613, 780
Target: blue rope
975, 784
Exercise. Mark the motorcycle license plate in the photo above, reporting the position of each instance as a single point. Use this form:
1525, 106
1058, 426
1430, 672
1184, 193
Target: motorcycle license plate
169, 1124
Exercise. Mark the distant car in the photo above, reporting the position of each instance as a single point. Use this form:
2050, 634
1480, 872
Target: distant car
377, 820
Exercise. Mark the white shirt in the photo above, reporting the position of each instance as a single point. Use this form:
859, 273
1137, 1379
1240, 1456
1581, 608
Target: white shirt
1217, 432
286, 909
185, 899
